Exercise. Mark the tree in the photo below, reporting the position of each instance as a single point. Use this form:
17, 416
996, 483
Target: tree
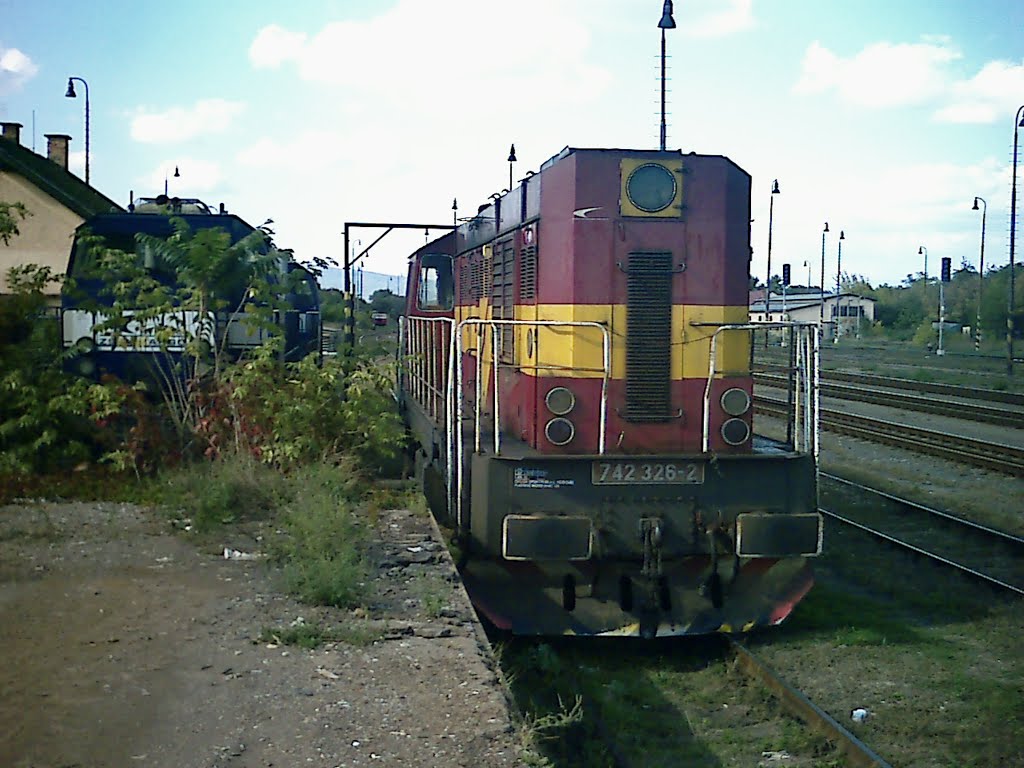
10, 213
183, 294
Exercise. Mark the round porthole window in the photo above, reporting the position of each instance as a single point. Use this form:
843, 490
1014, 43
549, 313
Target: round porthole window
651, 187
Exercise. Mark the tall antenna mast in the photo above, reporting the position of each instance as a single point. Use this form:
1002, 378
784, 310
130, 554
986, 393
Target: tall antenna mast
667, 22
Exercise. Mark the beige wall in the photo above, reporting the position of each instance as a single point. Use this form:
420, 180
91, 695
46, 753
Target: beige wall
46, 235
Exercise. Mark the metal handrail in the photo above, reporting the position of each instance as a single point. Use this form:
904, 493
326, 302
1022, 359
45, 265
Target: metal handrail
455, 474
806, 378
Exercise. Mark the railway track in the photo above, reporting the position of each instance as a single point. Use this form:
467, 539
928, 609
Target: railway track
978, 453
856, 752
853, 387
584, 680
978, 551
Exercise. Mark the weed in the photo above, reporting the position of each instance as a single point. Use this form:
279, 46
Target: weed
234, 489
314, 635
322, 551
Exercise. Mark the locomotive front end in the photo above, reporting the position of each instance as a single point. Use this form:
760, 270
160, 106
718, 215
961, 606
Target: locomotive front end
601, 461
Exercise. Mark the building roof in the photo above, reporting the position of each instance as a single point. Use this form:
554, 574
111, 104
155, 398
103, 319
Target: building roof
796, 301
59, 183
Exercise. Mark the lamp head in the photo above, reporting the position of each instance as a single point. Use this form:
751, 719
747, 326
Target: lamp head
842, 235
70, 93
775, 187
667, 22
975, 205
826, 228
176, 173
512, 154
920, 250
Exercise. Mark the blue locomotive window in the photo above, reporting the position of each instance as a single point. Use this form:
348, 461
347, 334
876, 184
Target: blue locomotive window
651, 187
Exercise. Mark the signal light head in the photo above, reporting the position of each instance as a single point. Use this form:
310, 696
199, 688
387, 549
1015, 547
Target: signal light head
735, 401
735, 431
560, 400
559, 431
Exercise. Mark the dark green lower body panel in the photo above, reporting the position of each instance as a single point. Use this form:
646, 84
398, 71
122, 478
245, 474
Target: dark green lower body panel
634, 545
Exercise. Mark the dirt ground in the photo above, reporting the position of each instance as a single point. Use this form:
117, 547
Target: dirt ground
124, 644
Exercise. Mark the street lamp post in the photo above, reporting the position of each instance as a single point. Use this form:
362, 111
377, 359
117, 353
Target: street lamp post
70, 93
920, 250
981, 271
511, 159
667, 22
1018, 122
768, 282
821, 309
839, 268
177, 175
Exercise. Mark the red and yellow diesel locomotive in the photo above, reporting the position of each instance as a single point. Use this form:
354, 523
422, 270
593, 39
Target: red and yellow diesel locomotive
576, 371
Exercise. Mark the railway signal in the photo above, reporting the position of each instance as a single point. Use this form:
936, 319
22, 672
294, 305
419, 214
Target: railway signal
946, 268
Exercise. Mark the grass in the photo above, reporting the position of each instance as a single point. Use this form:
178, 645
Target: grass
40, 529
312, 636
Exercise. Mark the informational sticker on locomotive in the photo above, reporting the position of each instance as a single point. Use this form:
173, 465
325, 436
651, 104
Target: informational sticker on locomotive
536, 477
646, 473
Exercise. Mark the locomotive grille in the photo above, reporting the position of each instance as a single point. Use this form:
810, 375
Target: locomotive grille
528, 274
648, 336
503, 295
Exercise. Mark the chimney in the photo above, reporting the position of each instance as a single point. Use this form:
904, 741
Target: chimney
57, 148
12, 132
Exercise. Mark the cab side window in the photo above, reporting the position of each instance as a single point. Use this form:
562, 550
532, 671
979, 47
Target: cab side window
435, 283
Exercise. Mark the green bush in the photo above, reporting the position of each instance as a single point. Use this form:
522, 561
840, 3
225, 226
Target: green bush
301, 413
229, 490
322, 552
45, 423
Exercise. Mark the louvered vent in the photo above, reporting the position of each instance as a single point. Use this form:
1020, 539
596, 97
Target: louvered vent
648, 336
466, 287
503, 294
528, 274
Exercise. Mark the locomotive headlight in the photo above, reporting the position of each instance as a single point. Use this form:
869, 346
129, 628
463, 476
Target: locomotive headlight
651, 187
560, 400
559, 431
86, 366
85, 345
735, 431
735, 401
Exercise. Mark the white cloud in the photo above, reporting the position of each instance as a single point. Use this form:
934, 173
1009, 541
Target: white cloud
275, 45
473, 50
992, 93
714, 18
184, 123
880, 75
15, 69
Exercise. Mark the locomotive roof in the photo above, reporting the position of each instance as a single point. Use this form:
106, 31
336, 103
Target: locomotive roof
158, 224
628, 153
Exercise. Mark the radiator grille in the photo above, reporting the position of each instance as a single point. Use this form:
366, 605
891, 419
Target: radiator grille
503, 295
648, 337
528, 274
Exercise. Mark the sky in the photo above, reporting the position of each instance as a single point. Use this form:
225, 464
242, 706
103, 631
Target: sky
883, 118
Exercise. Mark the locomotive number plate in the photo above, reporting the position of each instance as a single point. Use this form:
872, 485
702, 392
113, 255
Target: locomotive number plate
646, 473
